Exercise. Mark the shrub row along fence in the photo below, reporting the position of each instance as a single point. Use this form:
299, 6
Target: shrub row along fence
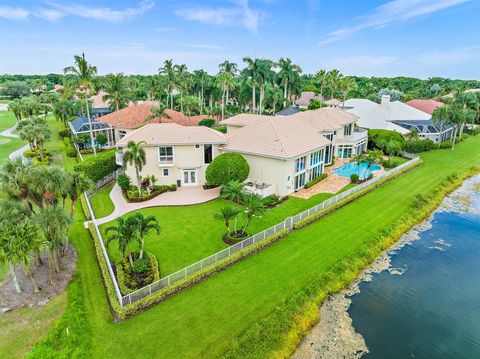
286, 224
106, 180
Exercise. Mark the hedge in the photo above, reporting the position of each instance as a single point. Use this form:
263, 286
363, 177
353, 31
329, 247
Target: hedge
316, 180
121, 274
86, 212
315, 216
279, 334
185, 283
229, 166
97, 167
417, 146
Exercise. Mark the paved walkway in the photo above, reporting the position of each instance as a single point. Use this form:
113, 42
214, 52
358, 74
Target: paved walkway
9, 133
183, 196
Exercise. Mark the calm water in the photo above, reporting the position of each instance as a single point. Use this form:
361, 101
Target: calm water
432, 310
352, 168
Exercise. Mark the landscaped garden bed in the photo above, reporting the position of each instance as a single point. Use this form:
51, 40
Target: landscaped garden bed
143, 272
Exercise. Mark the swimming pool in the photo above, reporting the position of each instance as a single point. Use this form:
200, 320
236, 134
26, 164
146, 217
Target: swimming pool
352, 168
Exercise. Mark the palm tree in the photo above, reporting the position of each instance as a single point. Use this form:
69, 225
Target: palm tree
200, 77
16, 181
53, 223
440, 116
225, 81
85, 73
254, 206
135, 155
252, 72
143, 227
334, 77
393, 147
321, 77
372, 157
16, 107
287, 75
358, 158
62, 109
168, 70
125, 232
346, 85
28, 243
229, 67
189, 103
181, 73
159, 112
233, 191
42, 135
227, 214
265, 75
117, 95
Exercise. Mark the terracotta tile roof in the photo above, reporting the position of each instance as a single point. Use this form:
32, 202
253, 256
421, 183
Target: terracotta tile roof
138, 114
427, 106
97, 100
326, 118
155, 134
279, 137
244, 119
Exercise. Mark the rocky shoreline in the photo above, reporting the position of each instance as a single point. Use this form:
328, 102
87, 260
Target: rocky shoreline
334, 335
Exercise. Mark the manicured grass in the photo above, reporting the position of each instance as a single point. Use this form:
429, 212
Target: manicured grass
7, 120
17, 338
8, 145
5, 101
101, 202
208, 319
56, 146
191, 233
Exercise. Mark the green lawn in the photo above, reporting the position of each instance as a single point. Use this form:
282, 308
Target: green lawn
7, 120
209, 318
16, 338
101, 203
56, 146
191, 233
8, 145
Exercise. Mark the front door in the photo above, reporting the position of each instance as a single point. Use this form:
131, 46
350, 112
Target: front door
189, 177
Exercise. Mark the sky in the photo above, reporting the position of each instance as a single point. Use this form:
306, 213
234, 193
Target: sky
420, 38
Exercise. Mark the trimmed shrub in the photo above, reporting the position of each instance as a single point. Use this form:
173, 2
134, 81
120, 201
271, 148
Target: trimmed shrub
65, 133
207, 122
392, 163
123, 182
102, 139
417, 146
222, 129
446, 144
37, 162
380, 137
316, 180
354, 178
70, 151
127, 276
131, 193
99, 166
227, 167
316, 104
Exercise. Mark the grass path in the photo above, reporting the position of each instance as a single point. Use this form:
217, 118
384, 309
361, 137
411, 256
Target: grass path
208, 319
101, 203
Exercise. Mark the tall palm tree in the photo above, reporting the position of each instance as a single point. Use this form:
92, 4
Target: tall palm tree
200, 78
189, 103
16, 181
16, 107
181, 74
346, 85
233, 191
159, 112
42, 135
85, 73
117, 95
321, 77
135, 154
252, 72
230, 67
125, 232
53, 223
168, 71
227, 214
265, 75
287, 74
334, 77
62, 109
440, 116
254, 206
144, 225
225, 81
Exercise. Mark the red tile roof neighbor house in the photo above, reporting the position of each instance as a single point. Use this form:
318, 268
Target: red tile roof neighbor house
427, 106
139, 114
306, 97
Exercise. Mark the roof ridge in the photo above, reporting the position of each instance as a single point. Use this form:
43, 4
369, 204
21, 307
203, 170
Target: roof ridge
278, 136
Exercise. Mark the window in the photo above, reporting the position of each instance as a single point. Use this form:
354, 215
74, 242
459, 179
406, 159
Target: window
300, 164
315, 169
165, 154
316, 157
122, 133
300, 181
166, 172
207, 153
344, 151
348, 130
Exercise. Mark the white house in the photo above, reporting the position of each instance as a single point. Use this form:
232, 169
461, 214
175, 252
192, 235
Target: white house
396, 116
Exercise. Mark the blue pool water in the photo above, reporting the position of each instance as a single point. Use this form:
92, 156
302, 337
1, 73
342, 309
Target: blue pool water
351, 168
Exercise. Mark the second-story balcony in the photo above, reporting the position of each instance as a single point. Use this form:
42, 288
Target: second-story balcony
356, 135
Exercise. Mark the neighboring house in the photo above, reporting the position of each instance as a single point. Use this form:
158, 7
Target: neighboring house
175, 154
139, 114
427, 106
283, 154
305, 98
396, 116
333, 103
337, 126
99, 106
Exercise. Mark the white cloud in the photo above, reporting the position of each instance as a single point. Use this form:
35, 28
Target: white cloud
13, 13
103, 13
239, 14
49, 14
392, 12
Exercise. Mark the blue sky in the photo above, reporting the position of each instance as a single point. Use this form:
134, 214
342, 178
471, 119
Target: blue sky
422, 38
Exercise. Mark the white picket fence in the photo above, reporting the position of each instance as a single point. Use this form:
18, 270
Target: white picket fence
286, 224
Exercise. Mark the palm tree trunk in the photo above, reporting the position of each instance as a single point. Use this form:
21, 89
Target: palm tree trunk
41, 153
92, 143
130, 259
141, 250
137, 173
181, 101
223, 105
15, 278
285, 94
51, 267
454, 137
29, 274
117, 134
38, 259
253, 97
56, 262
